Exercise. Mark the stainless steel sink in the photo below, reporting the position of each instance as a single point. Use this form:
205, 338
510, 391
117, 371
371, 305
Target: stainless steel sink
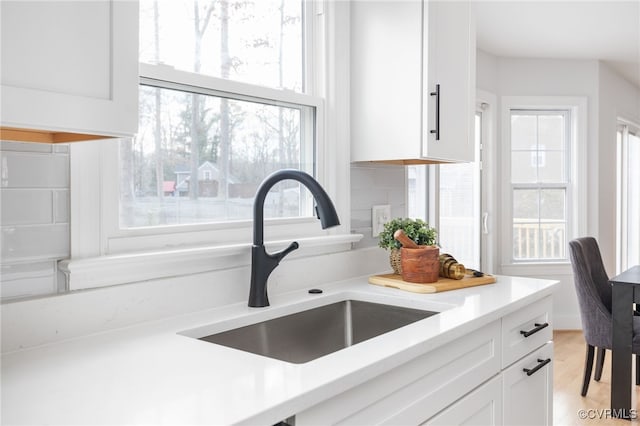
310, 334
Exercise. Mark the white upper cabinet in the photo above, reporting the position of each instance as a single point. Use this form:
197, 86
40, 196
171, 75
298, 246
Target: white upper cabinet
69, 68
403, 52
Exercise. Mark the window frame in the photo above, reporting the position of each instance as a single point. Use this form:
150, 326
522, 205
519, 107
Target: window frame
566, 185
127, 239
576, 177
98, 243
624, 128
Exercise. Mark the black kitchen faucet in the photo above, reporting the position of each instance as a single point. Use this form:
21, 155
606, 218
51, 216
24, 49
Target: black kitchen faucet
263, 263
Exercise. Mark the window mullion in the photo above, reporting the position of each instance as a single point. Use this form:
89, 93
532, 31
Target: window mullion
168, 77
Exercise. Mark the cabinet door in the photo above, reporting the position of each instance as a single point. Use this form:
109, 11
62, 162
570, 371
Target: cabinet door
400, 50
386, 79
483, 406
528, 398
70, 66
418, 389
450, 69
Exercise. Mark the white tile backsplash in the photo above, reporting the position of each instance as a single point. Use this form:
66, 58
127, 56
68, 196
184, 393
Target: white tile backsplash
18, 271
34, 170
362, 176
390, 176
22, 243
61, 206
26, 206
373, 184
26, 147
28, 279
34, 217
29, 287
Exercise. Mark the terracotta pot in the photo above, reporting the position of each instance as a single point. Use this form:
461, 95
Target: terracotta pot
421, 265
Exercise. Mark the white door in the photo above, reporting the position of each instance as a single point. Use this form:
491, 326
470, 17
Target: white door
457, 198
459, 218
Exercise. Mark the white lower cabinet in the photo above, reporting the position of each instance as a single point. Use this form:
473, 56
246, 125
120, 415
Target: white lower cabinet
483, 406
417, 390
520, 395
497, 374
528, 389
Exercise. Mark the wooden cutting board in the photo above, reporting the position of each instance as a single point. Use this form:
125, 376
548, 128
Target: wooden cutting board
443, 284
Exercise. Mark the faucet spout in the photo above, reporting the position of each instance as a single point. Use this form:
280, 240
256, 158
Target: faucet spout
263, 263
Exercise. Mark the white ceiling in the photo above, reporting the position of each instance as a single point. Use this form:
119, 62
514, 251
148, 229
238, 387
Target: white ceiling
604, 30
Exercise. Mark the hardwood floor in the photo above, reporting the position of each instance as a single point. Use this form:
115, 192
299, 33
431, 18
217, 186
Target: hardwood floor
569, 352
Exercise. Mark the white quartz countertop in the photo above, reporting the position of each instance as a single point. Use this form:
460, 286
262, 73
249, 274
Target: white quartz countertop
152, 374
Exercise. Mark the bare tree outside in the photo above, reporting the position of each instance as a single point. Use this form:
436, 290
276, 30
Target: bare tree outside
225, 67
158, 104
199, 157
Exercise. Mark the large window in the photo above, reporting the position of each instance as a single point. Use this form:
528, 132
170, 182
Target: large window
230, 91
540, 183
214, 118
628, 138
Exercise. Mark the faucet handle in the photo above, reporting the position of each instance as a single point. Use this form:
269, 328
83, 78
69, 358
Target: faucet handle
279, 255
293, 246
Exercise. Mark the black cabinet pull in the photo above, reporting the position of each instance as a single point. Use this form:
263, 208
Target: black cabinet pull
437, 95
541, 363
534, 330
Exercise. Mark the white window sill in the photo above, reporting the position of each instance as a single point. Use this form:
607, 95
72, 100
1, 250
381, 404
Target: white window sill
142, 266
538, 269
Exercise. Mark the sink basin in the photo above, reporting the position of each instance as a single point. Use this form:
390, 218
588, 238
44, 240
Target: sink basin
304, 336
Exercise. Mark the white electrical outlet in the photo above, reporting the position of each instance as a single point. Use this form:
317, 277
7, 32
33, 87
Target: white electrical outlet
379, 216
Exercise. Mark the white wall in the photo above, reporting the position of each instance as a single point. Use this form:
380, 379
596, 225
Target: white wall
618, 99
486, 72
608, 96
543, 77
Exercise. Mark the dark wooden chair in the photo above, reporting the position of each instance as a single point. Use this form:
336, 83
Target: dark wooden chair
594, 297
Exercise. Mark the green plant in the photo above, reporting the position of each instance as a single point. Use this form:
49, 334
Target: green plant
416, 229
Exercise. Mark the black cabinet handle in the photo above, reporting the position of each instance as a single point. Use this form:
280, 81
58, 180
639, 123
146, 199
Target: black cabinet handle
437, 95
541, 363
534, 330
